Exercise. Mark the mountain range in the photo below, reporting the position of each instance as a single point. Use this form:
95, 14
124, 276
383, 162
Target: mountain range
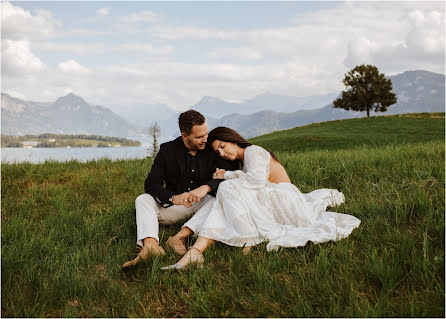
69, 114
417, 91
217, 108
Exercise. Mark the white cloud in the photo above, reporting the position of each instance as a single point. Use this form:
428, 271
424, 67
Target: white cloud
72, 47
146, 48
17, 58
17, 27
416, 17
102, 48
103, 12
15, 94
308, 56
360, 52
143, 16
72, 66
428, 34
19, 24
168, 32
348, 34
245, 53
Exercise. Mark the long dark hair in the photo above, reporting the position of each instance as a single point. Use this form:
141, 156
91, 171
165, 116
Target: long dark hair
227, 134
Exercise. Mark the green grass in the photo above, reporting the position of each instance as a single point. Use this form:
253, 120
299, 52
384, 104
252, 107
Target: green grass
343, 134
68, 227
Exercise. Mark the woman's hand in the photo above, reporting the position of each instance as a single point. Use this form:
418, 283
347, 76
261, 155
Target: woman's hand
182, 199
219, 174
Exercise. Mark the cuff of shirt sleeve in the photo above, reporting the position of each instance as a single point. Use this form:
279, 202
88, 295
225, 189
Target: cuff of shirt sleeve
229, 174
164, 199
213, 184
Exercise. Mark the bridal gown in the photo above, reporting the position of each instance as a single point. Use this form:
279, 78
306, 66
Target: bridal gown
249, 210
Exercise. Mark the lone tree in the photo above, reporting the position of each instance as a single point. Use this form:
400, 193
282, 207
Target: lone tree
366, 89
154, 131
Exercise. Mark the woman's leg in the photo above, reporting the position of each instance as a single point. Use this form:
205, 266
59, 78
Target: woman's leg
195, 252
178, 242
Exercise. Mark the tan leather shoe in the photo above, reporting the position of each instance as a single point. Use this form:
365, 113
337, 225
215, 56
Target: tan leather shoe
177, 245
144, 254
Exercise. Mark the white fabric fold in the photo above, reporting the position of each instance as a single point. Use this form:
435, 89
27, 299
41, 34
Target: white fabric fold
249, 210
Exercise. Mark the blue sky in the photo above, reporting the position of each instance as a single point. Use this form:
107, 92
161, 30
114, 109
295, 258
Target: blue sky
122, 53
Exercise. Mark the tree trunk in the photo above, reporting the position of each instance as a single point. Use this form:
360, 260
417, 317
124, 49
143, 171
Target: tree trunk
368, 112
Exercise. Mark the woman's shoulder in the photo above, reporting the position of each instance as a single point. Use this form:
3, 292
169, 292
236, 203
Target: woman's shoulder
256, 150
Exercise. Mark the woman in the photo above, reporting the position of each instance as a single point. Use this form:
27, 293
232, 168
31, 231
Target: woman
259, 203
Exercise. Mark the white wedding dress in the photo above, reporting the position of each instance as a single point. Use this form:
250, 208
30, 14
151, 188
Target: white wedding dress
249, 210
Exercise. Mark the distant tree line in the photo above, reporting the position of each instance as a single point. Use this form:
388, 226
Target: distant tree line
62, 140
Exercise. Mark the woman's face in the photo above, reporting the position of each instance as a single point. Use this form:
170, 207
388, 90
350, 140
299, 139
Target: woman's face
226, 150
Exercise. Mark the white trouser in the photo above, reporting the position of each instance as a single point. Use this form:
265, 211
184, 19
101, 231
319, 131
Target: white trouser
149, 214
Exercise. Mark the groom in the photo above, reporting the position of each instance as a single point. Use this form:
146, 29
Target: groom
177, 186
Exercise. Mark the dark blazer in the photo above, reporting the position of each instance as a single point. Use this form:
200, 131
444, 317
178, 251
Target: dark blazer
167, 177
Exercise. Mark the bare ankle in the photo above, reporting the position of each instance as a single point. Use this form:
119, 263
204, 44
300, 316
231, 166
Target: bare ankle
150, 242
179, 237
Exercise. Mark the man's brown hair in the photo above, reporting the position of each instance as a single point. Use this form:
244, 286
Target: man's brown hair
188, 119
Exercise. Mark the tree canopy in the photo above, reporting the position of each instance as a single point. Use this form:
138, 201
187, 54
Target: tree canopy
366, 89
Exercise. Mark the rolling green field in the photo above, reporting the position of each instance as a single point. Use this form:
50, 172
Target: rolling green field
68, 227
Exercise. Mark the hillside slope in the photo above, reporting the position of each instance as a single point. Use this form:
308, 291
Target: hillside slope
344, 134
68, 227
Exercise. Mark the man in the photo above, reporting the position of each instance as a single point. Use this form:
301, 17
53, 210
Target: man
178, 185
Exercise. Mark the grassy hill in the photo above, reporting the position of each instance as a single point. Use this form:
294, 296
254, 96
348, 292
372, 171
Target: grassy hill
68, 227
343, 134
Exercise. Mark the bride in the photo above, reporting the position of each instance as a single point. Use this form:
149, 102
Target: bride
259, 203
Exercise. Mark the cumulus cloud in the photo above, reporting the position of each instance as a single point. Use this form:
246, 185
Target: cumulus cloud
360, 51
72, 66
427, 34
103, 12
348, 34
417, 42
17, 58
308, 56
19, 24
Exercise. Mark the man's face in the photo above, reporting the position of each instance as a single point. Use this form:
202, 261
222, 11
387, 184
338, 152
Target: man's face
196, 140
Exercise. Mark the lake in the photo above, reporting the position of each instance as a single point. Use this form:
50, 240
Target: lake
83, 154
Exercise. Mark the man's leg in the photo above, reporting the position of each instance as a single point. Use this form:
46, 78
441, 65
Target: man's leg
149, 214
147, 229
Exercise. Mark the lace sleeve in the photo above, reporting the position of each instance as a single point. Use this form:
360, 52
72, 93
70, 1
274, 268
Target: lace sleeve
255, 166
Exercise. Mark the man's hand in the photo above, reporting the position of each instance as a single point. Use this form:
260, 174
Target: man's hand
219, 174
197, 194
182, 199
